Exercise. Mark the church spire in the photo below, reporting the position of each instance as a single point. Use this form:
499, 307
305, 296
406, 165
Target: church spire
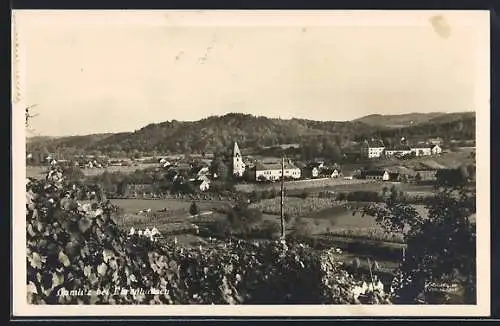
236, 150
238, 165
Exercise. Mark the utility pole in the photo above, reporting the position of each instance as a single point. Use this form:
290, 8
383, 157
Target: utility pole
282, 197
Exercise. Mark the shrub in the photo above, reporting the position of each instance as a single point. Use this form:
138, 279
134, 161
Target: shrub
193, 209
73, 248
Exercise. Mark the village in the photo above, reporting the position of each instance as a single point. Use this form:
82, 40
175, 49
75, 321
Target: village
401, 163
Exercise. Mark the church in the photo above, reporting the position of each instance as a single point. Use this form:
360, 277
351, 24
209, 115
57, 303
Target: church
238, 166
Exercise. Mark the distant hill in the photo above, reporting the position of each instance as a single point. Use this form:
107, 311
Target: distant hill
218, 132
453, 117
411, 119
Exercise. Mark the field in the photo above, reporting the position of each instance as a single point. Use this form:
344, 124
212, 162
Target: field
304, 184
40, 171
173, 219
294, 206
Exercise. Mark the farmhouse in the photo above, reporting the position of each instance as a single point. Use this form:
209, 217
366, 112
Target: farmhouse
202, 184
436, 150
372, 148
330, 172
425, 174
271, 171
377, 175
309, 172
394, 176
312, 170
421, 151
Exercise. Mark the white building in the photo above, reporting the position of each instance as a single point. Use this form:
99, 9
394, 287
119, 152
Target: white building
377, 175
421, 151
436, 150
271, 171
203, 184
372, 148
398, 151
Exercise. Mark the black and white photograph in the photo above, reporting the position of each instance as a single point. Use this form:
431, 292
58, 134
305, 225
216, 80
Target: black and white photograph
239, 163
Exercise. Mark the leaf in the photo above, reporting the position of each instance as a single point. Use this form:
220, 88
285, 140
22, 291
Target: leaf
32, 288
87, 271
57, 279
93, 278
30, 230
36, 260
107, 254
102, 268
64, 259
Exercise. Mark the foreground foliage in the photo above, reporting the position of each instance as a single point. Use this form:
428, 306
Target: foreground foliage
76, 254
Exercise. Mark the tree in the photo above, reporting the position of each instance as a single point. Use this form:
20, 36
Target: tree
451, 177
73, 173
193, 209
441, 247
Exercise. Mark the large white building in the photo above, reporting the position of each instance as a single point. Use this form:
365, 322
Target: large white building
271, 171
372, 148
376, 149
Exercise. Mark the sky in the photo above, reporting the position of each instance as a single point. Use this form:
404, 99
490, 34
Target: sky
97, 72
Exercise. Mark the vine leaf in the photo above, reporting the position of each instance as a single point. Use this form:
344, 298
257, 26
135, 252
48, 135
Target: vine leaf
102, 268
64, 259
36, 260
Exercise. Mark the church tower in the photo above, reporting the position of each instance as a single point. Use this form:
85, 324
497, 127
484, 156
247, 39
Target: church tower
238, 165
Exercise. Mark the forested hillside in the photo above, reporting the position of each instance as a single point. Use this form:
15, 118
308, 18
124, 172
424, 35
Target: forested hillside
217, 132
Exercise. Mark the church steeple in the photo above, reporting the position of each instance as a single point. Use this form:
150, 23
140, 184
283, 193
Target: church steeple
238, 165
236, 150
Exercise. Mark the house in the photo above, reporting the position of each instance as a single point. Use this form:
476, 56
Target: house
331, 172
164, 162
436, 150
425, 174
421, 151
271, 171
394, 176
398, 151
372, 148
312, 170
377, 175
202, 185
309, 172
203, 171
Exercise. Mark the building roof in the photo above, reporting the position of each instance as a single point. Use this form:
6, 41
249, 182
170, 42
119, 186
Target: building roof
374, 143
399, 148
236, 150
273, 165
312, 165
375, 172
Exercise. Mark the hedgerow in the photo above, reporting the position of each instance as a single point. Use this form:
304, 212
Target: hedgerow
77, 255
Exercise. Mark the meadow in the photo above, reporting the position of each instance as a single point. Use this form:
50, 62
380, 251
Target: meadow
38, 172
303, 184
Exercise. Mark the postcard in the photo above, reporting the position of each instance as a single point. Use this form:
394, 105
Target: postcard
251, 163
